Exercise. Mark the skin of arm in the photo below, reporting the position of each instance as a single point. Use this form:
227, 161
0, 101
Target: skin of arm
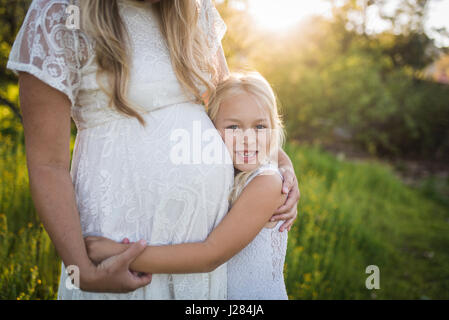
238, 228
46, 122
284, 160
289, 210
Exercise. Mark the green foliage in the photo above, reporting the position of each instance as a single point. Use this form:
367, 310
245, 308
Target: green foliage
383, 109
337, 81
10, 124
12, 14
29, 264
352, 215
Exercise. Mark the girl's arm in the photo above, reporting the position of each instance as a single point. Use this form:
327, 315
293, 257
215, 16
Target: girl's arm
238, 228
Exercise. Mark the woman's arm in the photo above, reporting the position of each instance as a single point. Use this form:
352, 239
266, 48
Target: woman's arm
46, 122
238, 228
288, 211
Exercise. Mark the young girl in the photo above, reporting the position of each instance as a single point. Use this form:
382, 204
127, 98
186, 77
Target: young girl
255, 247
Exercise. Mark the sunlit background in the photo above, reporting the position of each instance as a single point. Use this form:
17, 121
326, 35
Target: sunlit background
280, 15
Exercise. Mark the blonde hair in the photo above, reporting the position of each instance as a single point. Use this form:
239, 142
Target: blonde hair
257, 86
185, 39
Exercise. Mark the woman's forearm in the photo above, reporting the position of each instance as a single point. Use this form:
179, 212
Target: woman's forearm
53, 196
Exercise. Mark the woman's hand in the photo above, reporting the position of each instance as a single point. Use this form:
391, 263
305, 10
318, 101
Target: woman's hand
114, 275
100, 248
289, 210
135, 273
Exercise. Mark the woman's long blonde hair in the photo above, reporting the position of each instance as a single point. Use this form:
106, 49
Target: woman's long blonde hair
184, 36
257, 86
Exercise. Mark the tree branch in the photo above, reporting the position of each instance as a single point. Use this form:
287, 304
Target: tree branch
11, 106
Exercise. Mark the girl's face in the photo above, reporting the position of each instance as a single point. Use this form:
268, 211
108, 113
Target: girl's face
245, 128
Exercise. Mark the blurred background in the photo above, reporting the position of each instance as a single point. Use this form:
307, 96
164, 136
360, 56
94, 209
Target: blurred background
364, 91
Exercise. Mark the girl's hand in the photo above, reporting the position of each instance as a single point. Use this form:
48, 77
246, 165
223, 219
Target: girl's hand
101, 248
289, 210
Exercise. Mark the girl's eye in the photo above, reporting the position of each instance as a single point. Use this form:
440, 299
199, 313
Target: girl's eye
232, 127
260, 127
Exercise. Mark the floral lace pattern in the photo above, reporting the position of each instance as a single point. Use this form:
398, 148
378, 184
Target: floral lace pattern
124, 180
256, 272
45, 47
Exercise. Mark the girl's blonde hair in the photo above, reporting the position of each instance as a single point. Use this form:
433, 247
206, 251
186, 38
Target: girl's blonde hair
254, 84
185, 38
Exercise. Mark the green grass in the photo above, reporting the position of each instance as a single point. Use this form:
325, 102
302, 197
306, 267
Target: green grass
29, 265
351, 215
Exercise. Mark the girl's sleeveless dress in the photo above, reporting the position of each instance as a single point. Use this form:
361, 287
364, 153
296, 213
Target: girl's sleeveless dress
256, 272
126, 181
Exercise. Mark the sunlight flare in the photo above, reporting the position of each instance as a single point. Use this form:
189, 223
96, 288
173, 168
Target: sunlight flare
282, 14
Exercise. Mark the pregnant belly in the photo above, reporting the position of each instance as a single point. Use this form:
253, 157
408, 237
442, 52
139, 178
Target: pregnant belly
166, 183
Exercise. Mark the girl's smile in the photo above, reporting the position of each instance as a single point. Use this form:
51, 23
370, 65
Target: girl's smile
246, 156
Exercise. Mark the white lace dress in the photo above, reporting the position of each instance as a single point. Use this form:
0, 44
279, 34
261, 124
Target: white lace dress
256, 272
125, 182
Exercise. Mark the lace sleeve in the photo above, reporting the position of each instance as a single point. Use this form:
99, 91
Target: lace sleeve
213, 24
47, 49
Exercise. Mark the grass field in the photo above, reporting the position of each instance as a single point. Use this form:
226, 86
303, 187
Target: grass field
351, 215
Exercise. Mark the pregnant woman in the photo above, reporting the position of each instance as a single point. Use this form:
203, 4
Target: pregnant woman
134, 73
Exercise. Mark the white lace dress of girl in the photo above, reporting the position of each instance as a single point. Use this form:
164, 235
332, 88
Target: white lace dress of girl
125, 180
256, 272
